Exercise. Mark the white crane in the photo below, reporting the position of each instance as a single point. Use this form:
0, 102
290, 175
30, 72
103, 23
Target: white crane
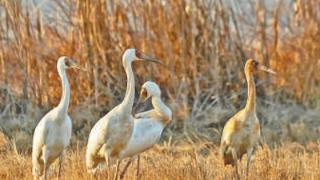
112, 132
53, 132
242, 132
148, 126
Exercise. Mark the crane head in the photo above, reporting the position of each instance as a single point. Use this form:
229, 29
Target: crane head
253, 66
131, 55
67, 63
148, 90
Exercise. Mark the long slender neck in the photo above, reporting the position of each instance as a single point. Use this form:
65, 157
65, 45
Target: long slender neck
65, 98
163, 110
251, 100
127, 103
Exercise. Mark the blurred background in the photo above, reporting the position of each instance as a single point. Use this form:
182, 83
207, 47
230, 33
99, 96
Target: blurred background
203, 43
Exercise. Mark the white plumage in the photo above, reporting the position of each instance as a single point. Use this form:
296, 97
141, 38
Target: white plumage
146, 132
148, 126
111, 133
52, 134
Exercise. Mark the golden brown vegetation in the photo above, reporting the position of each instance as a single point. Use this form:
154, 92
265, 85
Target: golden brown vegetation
203, 44
289, 161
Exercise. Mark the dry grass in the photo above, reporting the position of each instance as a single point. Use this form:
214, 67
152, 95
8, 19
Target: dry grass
288, 161
204, 44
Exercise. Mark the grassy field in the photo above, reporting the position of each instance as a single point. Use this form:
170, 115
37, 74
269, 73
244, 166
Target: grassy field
197, 161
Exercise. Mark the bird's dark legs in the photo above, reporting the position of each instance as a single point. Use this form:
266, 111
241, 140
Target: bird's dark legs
125, 168
138, 167
45, 154
249, 154
60, 165
117, 170
235, 159
108, 161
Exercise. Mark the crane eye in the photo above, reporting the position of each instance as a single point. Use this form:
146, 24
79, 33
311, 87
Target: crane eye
138, 54
67, 63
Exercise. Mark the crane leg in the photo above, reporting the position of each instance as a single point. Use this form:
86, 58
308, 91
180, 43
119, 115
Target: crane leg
235, 159
125, 168
108, 161
94, 174
138, 167
109, 173
260, 142
60, 164
45, 154
117, 170
249, 153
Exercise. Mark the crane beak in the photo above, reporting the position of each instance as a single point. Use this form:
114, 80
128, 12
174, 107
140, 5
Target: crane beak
143, 97
144, 57
135, 107
76, 66
264, 68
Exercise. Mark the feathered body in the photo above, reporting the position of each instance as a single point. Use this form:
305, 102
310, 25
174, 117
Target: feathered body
111, 134
146, 133
240, 135
53, 132
148, 126
51, 137
242, 132
108, 137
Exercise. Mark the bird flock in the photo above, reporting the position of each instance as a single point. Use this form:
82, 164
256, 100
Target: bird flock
120, 134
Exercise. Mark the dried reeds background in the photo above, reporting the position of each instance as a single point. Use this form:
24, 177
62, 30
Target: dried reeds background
203, 44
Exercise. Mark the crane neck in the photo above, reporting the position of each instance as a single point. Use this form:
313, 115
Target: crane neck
251, 100
161, 109
65, 98
128, 100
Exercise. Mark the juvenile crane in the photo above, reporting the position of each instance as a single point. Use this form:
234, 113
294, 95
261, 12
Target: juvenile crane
112, 132
242, 131
52, 134
148, 126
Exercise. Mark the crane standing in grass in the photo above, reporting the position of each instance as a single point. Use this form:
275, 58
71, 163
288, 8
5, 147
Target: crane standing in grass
52, 134
111, 133
242, 132
148, 126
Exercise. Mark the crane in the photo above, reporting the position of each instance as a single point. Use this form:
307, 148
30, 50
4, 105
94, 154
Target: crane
148, 126
112, 132
53, 132
242, 131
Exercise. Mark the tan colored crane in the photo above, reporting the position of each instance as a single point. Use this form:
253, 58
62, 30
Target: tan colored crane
242, 132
